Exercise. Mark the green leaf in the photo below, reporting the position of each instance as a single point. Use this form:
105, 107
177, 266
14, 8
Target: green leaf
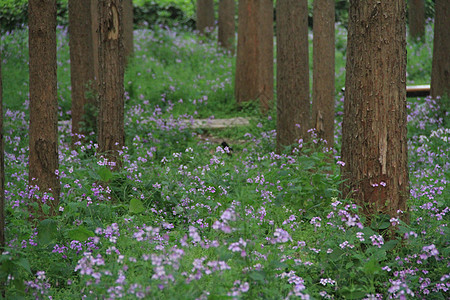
336, 254
389, 245
381, 222
278, 264
47, 231
105, 174
24, 263
259, 276
80, 234
355, 294
372, 267
368, 232
136, 206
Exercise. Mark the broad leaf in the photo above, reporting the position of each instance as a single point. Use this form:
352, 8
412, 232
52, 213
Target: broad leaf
80, 234
259, 276
136, 206
47, 231
105, 174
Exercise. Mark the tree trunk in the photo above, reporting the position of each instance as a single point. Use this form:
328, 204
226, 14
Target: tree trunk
111, 135
293, 106
374, 144
323, 70
227, 24
43, 101
254, 61
205, 16
81, 67
416, 13
440, 70
128, 28
95, 38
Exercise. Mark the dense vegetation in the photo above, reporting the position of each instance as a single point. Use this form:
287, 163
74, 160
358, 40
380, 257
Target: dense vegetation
185, 219
14, 12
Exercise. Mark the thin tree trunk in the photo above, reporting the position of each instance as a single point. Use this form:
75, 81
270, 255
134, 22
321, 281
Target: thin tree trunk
416, 13
254, 61
323, 70
440, 70
111, 133
81, 67
227, 26
128, 28
43, 101
205, 16
374, 143
293, 106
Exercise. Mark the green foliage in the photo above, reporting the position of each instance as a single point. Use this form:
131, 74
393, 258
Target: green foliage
184, 220
15, 13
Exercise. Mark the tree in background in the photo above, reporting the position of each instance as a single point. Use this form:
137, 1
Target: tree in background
293, 106
440, 70
254, 61
43, 162
227, 24
81, 67
110, 121
128, 28
374, 143
323, 70
205, 16
416, 12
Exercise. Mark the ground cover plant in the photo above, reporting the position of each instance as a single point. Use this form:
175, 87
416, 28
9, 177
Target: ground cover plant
189, 219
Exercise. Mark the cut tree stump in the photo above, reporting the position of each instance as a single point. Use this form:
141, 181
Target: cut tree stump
198, 123
217, 123
417, 91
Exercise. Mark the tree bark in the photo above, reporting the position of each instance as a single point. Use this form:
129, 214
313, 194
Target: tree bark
95, 38
227, 26
374, 143
81, 67
416, 13
43, 101
293, 105
128, 28
254, 61
205, 16
111, 133
323, 70
440, 69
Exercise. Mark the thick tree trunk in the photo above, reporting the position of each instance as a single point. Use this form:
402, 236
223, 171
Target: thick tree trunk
43, 100
374, 145
128, 28
254, 61
81, 67
95, 38
205, 16
440, 70
416, 13
111, 135
323, 70
293, 105
227, 26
